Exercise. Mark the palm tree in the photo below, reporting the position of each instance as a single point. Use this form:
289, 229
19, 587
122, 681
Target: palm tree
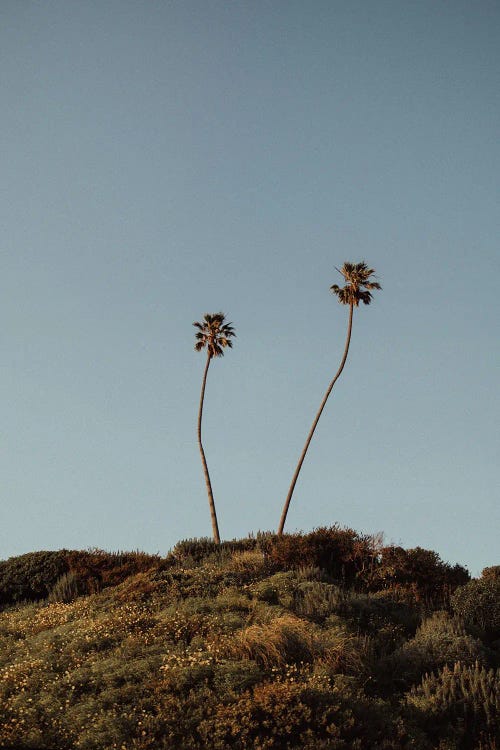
215, 335
358, 289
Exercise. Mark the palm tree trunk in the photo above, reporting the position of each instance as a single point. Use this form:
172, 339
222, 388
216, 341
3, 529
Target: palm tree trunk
318, 415
213, 515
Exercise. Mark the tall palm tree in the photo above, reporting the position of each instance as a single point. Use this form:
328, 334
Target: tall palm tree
214, 335
358, 289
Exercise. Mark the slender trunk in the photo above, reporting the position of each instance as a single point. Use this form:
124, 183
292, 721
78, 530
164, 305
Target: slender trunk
311, 433
213, 515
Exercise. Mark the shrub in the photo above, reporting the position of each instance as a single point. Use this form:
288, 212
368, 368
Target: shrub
180, 627
341, 553
439, 641
342, 652
177, 718
204, 581
187, 669
65, 574
372, 613
279, 588
66, 589
305, 713
460, 702
478, 604
232, 676
249, 563
232, 600
381, 619
419, 572
491, 573
193, 551
96, 569
136, 588
30, 577
316, 601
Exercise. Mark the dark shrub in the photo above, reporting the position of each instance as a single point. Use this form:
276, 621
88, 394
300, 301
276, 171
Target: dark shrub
341, 553
67, 573
94, 570
461, 703
418, 572
379, 613
30, 577
439, 641
478, 604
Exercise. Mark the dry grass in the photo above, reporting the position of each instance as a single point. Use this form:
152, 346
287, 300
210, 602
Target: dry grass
248, 561
283, 641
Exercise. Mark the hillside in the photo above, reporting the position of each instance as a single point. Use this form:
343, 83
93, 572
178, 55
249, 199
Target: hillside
319, 641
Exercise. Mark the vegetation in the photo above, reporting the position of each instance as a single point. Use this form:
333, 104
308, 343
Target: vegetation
324, 640
214, 335
358, 289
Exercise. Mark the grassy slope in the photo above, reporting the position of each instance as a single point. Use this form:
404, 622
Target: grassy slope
246, 649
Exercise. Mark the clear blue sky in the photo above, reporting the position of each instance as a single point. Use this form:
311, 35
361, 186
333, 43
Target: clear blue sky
164, 159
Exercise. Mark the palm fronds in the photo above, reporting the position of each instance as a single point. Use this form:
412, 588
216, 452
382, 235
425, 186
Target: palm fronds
214, 334
358, 287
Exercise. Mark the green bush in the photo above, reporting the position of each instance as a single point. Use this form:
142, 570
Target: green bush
461, 703
232, 677
439, 641
279, 588
30, 577
193, 551
370, 613
316, 600
204, 581
478, 604
65, 574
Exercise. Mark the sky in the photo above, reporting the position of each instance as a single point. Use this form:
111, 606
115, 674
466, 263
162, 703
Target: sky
165, 159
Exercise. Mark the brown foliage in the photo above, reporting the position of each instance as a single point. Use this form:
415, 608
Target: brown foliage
96, 569
419, 572
341, 553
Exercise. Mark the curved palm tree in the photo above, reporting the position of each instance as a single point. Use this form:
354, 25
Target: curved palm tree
214, 335
358, 289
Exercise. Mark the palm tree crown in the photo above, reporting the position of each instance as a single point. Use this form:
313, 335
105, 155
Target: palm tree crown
214, 334
357, 276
